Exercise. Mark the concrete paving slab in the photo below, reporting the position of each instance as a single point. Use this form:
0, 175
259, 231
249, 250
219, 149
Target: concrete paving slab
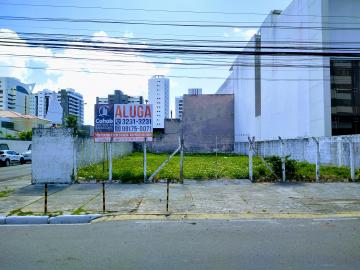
222, 196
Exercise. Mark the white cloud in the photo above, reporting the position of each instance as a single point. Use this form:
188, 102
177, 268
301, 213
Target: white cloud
128, 34
243, 34
109, 69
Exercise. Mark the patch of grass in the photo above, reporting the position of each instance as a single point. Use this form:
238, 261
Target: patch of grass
19, 212
129, 169
80, 211
4, 193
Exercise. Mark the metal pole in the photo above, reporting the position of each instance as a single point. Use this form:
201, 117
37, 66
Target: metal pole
283, 169
182, 160
103, 194
110, 161
167, 195
45, 198
104, 157
250, 159
352, 161
145, 169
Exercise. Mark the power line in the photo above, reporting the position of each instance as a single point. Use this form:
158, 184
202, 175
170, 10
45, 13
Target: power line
271, 51
169, 76
159, 23
169, 11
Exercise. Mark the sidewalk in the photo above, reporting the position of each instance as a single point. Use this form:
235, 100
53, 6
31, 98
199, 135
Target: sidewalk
194, 198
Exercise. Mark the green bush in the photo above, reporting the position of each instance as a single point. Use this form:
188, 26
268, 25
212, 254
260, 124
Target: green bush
276, 164
25, 135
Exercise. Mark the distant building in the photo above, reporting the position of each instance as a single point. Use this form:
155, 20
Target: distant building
179, 101
100, 100
158, 95
119, 98
195, 91
299, 95
46, 105
72, 104
15, 95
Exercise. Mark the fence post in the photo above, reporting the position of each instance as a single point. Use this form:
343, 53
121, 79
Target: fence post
339, 151
75, 161
317, 160
45, 198
182, 160
104, 158
145, 169
283, 159
352, 161
167, 195
251, 142
103, 193
110, 161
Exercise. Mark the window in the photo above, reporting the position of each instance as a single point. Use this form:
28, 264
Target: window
345, 96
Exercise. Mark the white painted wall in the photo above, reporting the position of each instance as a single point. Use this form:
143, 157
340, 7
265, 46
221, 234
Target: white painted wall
56, 154
52, 156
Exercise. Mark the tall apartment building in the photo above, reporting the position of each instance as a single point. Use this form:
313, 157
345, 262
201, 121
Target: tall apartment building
45, 104
72, 104
15, 95
179, 102
299, 95
195, 91
158, 95
119, 98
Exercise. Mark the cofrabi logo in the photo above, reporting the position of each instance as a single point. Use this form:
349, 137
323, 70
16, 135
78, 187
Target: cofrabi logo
103, 115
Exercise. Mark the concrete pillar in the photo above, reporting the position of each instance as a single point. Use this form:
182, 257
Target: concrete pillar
339, 151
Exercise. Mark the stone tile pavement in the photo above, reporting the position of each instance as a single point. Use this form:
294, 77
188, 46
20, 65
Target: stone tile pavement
193, 197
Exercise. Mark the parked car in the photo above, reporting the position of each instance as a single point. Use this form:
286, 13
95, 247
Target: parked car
7, 157
27, 154
4, 146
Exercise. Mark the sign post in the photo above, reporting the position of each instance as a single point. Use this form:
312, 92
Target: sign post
123, 123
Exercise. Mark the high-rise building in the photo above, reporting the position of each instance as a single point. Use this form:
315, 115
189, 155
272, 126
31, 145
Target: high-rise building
72, 104
40, 103
119, 98
158, 95
195, 91
46, 105
15, 95
179, 106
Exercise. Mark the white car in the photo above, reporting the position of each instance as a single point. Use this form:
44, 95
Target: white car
8, 157
27, 154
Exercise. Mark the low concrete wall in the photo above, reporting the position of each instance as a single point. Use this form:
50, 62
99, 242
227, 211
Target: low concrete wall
88, 152
56, 154
333, 150
52, 155
208, 123
169, 140
17, 146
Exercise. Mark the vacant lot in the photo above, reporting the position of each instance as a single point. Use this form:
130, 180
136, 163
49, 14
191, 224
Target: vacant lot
203, 166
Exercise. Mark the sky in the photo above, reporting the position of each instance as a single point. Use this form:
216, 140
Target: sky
99, 73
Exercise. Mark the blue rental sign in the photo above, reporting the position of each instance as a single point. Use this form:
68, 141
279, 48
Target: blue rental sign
123, 122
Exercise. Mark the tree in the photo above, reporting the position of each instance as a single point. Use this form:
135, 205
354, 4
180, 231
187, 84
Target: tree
25, 135
71, 122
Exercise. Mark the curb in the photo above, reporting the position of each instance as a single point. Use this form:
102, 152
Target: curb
26, 220
72, 219
225, 216
63, 219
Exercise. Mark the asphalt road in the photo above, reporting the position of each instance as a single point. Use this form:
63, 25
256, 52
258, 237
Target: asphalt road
14, 171
246, 244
